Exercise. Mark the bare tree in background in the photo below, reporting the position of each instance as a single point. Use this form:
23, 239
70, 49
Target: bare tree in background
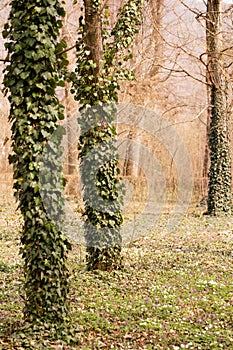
69, 30
146, 63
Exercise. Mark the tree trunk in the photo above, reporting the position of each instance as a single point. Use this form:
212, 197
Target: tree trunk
219, 192
68, 101
206, 162
156, 8
94, 35
132, 154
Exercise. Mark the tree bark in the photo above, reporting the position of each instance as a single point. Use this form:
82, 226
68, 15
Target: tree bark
156, 8
93, 39
69, 102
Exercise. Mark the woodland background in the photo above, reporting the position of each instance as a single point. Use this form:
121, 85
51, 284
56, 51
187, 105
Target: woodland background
169, 58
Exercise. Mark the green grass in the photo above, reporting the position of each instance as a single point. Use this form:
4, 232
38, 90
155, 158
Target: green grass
176, 291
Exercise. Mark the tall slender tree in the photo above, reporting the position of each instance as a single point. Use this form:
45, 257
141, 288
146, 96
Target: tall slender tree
219, 192
31, 79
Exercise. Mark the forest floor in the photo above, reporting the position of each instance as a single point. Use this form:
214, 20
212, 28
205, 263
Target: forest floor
176, 291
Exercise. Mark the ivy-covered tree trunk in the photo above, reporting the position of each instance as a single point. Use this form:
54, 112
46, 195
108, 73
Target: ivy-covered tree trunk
98, 155
31, 79
99, 60
219, 192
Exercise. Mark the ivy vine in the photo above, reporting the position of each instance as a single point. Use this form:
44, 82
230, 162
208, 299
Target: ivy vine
30, 81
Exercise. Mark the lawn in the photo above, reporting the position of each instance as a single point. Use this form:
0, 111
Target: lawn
176, 291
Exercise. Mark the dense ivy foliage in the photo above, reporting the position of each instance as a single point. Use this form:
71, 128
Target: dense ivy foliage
219, 194
97, 90
30, 80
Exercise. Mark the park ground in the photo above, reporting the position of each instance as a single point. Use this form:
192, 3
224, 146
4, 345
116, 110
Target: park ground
175, 291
